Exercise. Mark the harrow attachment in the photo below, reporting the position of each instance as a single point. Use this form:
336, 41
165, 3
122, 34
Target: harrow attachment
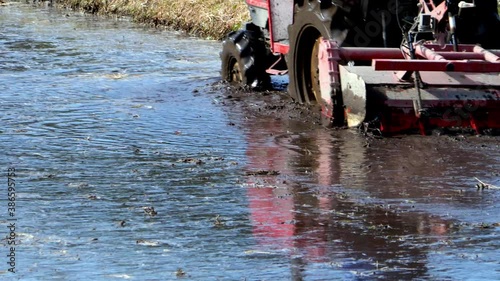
413, 66
421, 87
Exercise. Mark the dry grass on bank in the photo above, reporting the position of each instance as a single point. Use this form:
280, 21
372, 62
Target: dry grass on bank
205, 18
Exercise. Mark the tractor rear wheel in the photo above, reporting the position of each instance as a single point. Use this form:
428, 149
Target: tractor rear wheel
243, 59
481, 25
312, 22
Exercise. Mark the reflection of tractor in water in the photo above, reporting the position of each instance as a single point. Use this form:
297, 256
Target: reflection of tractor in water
396, 65
314, 221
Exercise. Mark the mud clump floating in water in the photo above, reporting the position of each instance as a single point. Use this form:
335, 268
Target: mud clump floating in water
263, 173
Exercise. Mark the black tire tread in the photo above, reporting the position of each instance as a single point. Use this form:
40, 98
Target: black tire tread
249, 51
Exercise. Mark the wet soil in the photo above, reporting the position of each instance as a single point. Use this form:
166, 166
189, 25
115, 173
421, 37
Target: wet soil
274, 103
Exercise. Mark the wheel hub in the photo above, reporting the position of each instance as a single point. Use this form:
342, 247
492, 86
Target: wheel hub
236, 76
314, 71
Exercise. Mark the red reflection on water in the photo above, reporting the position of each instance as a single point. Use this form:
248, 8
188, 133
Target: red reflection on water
304, 211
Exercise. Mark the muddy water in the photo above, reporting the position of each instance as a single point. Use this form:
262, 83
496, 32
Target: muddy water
102, 119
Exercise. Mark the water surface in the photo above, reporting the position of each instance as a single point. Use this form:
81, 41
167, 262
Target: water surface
102, 118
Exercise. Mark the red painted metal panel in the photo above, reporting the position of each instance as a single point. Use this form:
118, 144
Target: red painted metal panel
368, 54
280, 48
280, 17
270, 22
424, 65
482, 115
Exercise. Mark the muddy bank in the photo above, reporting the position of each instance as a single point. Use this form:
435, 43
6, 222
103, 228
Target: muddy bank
211, 19
277, 104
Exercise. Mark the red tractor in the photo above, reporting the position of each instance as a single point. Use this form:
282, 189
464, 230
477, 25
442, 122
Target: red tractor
395, 65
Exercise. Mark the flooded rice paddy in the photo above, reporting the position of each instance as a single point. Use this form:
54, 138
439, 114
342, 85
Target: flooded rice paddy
131, 164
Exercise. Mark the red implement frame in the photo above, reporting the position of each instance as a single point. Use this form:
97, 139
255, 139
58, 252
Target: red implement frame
457, 80
471, 99
469, 58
